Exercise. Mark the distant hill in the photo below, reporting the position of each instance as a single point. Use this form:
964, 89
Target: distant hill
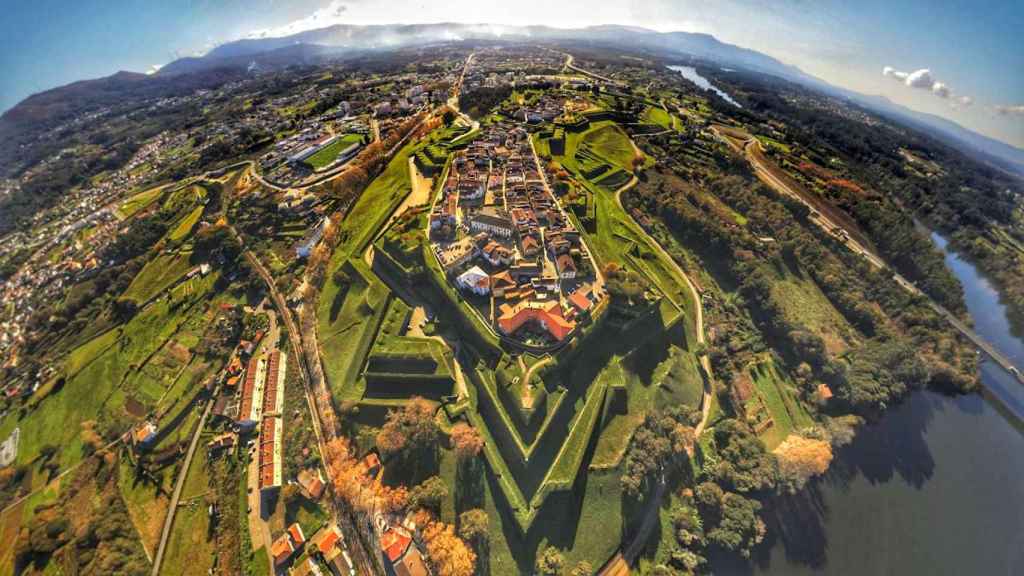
313, 46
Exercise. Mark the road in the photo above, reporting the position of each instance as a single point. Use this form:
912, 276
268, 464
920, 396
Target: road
854, 240
569, 64
179, 484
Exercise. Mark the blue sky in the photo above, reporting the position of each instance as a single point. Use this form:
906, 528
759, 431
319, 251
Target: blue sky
972, 50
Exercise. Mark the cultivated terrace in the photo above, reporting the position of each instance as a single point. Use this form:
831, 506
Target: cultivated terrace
481, 308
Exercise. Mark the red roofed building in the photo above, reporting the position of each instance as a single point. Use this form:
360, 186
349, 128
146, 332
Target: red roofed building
547, 314
252, 393
401, 557
270, 456
273, 388
282, 549
580, 301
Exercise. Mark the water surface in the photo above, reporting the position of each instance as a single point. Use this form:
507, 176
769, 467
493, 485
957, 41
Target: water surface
936, 486
691, 74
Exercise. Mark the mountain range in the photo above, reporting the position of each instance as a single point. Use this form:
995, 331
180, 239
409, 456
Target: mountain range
340, 40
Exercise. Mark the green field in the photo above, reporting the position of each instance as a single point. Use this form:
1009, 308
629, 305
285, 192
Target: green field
348, 327
100, 376
157, 275
779, 395
326, 155
804, 304
658, 115
132, 205
612, 144
184, 226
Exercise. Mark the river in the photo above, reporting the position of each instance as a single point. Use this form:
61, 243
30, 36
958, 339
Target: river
936, 486
691, 74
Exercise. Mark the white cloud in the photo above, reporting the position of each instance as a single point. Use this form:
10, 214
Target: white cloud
154, 69
920, 79
923, 80
329, 15
894, 73
1012, 110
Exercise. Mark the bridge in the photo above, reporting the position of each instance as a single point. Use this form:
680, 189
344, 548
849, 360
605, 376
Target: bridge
979, 342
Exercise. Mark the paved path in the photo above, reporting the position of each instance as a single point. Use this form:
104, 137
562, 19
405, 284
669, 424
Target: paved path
179, 484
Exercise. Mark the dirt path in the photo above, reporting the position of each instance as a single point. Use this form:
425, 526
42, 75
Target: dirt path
651, 515
698, 308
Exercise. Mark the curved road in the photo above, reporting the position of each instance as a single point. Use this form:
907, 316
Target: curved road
651, 515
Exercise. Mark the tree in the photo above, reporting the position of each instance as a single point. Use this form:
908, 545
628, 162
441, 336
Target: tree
447, 553
466, 441
582, 568
410, 429
429, 494
662, 442
550, 562
739, 528
744, 464
801, 458
474, 527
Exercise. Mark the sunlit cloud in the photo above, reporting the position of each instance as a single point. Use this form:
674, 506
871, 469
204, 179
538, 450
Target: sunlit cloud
329, 15
922, 79
1011, 110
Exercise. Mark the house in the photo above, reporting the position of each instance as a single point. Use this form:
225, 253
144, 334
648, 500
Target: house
474, 280
493, 220
327, 538
501, 282
328, 543
252, 393
566, 267
529, 245
307, 567
580, 301
273, 385
372, 464
545, 314
224, 441
270, 448
496, 255
295, 532
144, 435
521, 270
282, 549
401, 556
311, 483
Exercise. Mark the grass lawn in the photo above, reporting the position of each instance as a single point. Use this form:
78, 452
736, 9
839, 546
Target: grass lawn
348, 328
657, 115
328, 153
189, 550
308, 514
803, 303
779, 396
157, 275
146, 502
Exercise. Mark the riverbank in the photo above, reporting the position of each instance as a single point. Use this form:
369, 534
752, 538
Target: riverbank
932, 487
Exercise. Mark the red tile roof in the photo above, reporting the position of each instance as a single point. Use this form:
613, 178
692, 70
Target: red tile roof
394, 542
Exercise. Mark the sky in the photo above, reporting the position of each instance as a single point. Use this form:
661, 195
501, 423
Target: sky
960, 60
